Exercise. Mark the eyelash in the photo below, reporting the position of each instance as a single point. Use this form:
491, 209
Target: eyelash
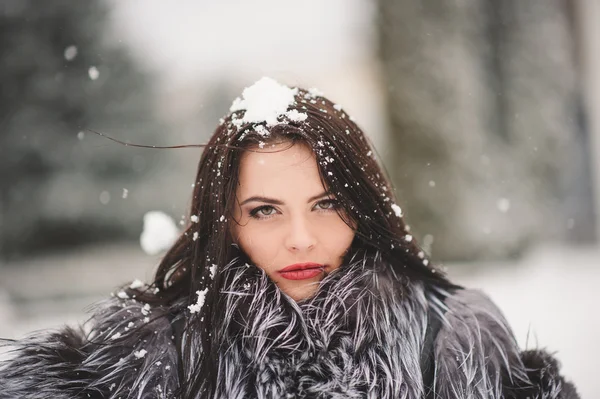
334, 206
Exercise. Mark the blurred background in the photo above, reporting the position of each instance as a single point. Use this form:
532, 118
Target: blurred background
486, 115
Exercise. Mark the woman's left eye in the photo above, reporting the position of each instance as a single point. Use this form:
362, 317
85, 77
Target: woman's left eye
327, 204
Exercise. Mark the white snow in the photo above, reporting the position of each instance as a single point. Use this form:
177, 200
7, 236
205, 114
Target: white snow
146, 309
160, 232
264, 101
549, 298
94, 73
194, 219
70, 53
222, 218
116, 336
136, 284
397, 210
195, 236
195, 308
81, 135
296, 116
260, 129
213, 271
123, 295
140, 354
314, 92
408, 238
125, 193
104, 197
503, 205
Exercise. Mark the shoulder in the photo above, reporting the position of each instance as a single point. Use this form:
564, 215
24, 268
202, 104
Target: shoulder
125, 347
476, 353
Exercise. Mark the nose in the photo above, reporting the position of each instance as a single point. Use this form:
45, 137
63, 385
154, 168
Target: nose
300, 237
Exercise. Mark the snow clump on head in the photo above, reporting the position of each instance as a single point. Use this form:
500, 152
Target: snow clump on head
265, 102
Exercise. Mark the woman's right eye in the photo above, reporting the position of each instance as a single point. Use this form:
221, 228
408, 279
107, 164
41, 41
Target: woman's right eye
262, 211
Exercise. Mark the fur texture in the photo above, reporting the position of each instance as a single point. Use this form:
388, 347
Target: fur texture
360, 336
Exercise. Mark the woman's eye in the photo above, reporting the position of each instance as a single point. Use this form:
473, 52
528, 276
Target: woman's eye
327, 204
262, 211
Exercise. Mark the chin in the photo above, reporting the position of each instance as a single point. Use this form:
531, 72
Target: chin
307, 290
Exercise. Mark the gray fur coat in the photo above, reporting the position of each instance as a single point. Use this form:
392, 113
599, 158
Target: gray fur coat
363, 335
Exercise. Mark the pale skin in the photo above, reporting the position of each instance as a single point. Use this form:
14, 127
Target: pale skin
285, 216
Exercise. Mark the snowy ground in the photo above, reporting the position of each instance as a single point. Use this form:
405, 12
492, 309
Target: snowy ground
550, 300
548, 297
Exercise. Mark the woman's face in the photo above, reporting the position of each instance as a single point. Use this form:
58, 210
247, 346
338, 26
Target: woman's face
286, 218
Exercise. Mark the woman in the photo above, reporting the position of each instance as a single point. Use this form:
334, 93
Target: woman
296, 278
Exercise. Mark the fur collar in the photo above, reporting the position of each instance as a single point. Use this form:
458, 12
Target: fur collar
360, 336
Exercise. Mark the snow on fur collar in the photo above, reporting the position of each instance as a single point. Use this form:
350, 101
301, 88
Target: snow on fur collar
360, 336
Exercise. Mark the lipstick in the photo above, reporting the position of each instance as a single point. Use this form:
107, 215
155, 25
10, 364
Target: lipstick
301, 271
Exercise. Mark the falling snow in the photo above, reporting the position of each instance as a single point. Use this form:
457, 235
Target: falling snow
93, 73
503, 205
104, 197
70, 53
159, 233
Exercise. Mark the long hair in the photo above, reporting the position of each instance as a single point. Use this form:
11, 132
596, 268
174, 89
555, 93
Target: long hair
347, 168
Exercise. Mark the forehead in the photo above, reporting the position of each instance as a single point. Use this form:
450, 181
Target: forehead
278, 170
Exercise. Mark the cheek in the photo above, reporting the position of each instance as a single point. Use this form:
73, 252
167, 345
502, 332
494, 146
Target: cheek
337, 237
259, 243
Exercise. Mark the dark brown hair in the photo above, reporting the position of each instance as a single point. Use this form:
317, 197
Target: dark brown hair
348, 169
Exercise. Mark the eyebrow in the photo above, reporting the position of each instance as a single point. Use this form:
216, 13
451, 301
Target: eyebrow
278, 202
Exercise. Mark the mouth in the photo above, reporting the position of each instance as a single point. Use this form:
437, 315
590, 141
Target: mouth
302, 271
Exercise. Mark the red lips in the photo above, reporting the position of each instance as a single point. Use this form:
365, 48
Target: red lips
301, 271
